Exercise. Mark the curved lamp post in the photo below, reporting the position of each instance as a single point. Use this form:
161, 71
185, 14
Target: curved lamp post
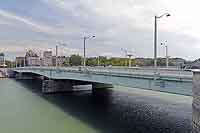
84, 42
166, 52
155, 37
59, 44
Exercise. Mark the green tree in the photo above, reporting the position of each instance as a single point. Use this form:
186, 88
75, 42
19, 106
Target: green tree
10, 64
102, 60
75, 60
66, 62
161, 62
93, 61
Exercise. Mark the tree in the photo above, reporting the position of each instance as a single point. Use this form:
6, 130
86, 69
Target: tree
102, 60
66, 62
10, 64
75, 60
93, 61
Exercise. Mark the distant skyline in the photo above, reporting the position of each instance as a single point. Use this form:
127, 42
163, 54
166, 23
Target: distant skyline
41, 24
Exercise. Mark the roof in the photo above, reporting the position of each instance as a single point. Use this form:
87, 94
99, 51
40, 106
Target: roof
31, 53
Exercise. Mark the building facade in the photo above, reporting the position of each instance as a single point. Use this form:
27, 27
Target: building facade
47, 59
20, 61
2, 60
32, 59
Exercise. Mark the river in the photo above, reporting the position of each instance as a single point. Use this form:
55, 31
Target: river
24, 109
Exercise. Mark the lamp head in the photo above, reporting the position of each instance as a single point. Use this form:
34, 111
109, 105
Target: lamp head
165, 14
168, 15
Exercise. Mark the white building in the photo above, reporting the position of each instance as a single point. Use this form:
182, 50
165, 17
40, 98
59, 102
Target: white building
2, 60
32, 59
47, 58
20, 61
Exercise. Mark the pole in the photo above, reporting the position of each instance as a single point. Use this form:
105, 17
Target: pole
20, 63
4, 61
40, 58
56, 56
129, 61
24, 61
155, 44
84, 42
84, 59
167, 58
98, 61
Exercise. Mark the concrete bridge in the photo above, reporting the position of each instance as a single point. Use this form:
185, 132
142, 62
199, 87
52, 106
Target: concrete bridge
171, 81
105, 78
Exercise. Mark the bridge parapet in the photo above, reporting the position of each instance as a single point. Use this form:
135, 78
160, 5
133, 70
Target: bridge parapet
161, 74
196, 102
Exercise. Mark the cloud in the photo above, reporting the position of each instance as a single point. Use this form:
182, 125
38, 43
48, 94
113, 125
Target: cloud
36, 26
116, 24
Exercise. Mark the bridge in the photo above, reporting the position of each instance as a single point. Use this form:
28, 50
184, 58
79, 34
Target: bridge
165, 80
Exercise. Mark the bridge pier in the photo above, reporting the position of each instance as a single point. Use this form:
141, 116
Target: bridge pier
100, 86
21, 76
196, 102
53, 86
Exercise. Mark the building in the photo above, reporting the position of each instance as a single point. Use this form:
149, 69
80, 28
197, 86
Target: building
20, 61
2, 60
179, 62
32, 59
47, 58
61, 60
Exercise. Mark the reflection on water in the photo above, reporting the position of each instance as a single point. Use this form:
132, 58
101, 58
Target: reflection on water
120, 110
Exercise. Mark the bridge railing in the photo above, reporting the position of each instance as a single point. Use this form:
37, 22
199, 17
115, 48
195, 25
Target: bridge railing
120, 71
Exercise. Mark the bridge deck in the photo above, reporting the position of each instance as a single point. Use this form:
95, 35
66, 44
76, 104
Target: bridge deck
167, 81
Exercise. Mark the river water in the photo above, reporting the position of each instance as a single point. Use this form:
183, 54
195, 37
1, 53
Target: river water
24, 109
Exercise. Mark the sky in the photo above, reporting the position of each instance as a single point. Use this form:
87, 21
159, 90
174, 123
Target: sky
42, 24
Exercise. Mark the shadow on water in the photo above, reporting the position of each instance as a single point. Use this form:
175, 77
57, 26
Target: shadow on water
111, 112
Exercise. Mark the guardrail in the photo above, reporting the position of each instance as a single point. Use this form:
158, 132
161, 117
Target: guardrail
158, 74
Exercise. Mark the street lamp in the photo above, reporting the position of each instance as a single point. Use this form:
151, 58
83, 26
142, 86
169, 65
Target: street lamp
98, 61
155, 37
84, 42
129, 55
166, 52
16, 62
59, 44
126, 53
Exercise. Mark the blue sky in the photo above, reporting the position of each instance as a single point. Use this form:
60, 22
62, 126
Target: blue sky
41, 24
